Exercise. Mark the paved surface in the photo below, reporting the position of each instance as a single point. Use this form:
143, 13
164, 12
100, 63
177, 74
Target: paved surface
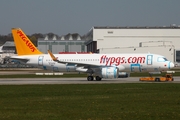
20, 71
22, 81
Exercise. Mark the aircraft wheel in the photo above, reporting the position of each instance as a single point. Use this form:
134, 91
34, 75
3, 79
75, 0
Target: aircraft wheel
90, 78
157, 80
98, 78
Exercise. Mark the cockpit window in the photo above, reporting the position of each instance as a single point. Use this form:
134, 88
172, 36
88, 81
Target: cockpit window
162, 59
165, 59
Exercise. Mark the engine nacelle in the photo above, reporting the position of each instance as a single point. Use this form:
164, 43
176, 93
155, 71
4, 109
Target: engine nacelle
109, 72
122, 75
81, 69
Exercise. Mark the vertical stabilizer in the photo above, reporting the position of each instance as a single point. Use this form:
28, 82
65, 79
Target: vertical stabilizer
24, 46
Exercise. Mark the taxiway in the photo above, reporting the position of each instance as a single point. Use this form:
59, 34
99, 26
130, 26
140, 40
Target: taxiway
24, 81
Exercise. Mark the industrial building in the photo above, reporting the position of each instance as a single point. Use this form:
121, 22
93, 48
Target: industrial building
6, 50
163, 40
67, 43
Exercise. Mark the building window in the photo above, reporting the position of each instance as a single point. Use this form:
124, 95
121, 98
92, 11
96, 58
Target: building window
79, 43
110, 32
177, 55
54, 43
62, 43
44, 43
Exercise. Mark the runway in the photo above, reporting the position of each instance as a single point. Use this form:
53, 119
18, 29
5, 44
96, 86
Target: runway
28, 81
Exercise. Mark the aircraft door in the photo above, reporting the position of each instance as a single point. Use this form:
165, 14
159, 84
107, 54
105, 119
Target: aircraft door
135, 68
55, 69
150, 63
70, 67
149, 59
40, 60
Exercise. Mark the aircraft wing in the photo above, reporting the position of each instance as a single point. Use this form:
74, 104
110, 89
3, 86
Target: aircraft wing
86, 65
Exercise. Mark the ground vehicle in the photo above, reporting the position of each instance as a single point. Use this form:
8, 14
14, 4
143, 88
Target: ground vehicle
167, 77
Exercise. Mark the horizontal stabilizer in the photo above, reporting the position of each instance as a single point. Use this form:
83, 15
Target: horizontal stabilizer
22, 60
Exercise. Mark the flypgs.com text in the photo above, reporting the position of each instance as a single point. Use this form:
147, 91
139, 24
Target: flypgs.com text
120, 60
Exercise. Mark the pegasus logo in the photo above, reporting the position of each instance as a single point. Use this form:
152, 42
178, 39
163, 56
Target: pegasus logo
28, 43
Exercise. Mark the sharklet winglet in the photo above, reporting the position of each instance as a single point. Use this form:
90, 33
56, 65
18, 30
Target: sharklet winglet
52, 56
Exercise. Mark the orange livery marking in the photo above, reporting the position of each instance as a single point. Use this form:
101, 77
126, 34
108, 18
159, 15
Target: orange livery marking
28, 43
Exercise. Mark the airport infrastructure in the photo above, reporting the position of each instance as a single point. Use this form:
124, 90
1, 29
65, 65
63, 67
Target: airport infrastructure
66, 43
6, 50
25, 81
163, 40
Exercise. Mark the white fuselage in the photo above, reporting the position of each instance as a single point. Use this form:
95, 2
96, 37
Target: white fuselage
125, 62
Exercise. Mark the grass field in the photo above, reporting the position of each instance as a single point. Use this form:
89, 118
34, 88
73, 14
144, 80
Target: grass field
151, 101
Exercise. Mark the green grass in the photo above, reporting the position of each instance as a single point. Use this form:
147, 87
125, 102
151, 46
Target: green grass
150, 101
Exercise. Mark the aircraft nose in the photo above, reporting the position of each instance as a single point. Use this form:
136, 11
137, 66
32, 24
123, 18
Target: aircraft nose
171, 65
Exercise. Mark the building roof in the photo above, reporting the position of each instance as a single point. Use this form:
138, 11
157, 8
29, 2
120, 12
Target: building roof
173, 26
74, 36
9, 43
7, 46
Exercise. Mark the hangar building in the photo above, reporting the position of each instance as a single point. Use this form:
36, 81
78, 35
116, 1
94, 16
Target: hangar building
163, 40
66, 43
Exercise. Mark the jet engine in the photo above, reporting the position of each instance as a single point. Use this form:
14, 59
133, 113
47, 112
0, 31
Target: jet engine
109, 72
123, 75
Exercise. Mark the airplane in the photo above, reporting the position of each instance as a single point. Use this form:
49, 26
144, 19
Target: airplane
98, 66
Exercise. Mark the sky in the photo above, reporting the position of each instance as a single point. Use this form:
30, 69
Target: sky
79, 16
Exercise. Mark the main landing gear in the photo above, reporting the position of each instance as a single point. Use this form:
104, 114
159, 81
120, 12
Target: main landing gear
91, 78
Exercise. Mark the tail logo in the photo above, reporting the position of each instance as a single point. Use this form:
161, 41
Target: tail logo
28, 43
